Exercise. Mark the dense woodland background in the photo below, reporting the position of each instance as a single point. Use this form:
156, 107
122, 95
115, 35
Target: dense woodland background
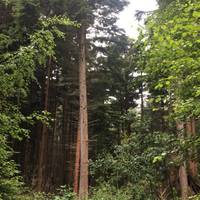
143, 100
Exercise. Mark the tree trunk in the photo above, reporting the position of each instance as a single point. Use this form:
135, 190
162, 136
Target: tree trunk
190, 129
183, 182
77, 162
183, 179
83, 187
44, 138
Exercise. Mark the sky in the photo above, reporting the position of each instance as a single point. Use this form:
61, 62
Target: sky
127, 18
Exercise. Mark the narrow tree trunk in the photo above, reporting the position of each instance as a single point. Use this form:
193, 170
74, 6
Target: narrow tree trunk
53, 160
194, 165
44, 138
183, 179
71, 160
190, 129
27, 160
66, 132
83, 187
77, 162
183, 182
69, 147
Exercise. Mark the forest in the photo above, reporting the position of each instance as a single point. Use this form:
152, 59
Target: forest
87, 112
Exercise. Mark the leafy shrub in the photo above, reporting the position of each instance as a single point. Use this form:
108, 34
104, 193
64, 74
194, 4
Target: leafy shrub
64, 194
33, 196
10, 181
108, 192
141, 160
196, 197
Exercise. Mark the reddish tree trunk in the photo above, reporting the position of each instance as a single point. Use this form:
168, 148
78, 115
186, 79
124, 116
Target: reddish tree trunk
194, 166
77, 162
44, 138
83, 187
190, 129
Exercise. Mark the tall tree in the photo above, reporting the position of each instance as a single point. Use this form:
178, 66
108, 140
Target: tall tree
83, 188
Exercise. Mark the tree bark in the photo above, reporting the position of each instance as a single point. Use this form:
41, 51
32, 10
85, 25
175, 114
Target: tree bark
83, 187
183, 179
191, 131
77, 162
44, 137
183, 182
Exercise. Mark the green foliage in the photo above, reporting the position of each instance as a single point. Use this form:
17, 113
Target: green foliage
61, 194
32, 34
170, 62
27, 195
141, 160
173, 55
44, 117
109, 192
10, 181
64, 194
196, 197
103, 192
136, 154
17, 71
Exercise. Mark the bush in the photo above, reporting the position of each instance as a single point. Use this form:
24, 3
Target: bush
64, 194
33, 196
10, 181
196, 197
103, 192
108, 192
